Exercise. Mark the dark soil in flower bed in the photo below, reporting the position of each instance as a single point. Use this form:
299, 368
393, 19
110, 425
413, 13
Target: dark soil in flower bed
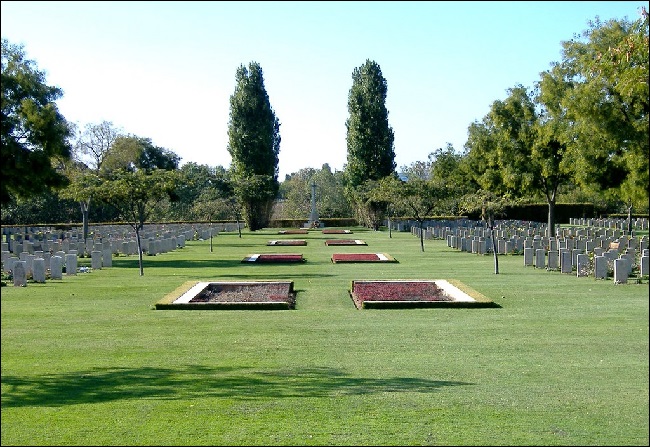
362, 257
404, 294
263, 295
291, 242
273, 257
336, 231
344, 242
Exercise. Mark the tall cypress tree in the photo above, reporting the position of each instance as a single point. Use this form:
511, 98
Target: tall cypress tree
254, 145
370, 139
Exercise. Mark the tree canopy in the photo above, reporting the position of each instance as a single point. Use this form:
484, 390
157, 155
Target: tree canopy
34, 135
254, 145
370, 141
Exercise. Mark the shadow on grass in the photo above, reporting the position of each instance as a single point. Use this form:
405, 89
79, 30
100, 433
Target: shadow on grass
111, 384
175, 263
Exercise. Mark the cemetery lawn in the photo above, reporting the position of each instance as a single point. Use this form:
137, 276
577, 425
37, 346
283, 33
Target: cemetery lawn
87, 360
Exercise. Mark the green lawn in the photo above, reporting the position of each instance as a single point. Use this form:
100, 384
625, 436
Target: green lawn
87, 360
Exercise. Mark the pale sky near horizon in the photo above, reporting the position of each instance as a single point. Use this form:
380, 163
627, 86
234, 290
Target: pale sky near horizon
166, 70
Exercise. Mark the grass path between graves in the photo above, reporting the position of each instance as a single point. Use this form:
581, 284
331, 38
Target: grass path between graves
86, 360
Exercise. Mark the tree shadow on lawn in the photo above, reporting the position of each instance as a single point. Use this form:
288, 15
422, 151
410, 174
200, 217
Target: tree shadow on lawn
176, 263
101, 385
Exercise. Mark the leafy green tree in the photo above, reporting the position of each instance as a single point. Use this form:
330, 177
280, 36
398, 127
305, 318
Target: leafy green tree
370, 139
34, 135
254, 146
90, 149
417, 197
295, 194
491, 206
134, 194
131, 153
515, 151
599, 91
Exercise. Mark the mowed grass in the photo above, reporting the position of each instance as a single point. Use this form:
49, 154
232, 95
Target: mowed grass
87, 360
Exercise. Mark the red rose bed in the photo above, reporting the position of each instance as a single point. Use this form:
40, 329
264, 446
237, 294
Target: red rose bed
345, 242
293, 232
404, 294
362, 257
290, 242
274, 257
234, 295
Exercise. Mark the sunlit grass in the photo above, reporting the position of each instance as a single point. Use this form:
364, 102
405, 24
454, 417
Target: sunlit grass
87, 360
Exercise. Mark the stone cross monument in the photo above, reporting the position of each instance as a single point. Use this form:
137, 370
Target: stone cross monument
313, 216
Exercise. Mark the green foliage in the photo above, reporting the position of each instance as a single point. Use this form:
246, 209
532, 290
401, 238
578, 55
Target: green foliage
254, 145
133, 153
370, 139
599, 91
370, 142
34, 134
295, 194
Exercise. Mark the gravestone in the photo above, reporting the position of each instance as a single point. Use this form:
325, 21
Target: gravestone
553, 260
621, 271
39, 270
565, 260
540, 258
71, 264
20, 274
96, 260
56, 267
643, 269
582, 265
528, 256
600, 267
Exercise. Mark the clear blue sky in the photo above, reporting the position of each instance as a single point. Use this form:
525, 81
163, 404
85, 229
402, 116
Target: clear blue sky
166, 70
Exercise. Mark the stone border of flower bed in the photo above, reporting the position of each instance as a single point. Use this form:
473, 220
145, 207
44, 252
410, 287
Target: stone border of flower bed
338, 258
335, 231
345, 242
274, 258
293, 232
457, 294
180, 298
290, 242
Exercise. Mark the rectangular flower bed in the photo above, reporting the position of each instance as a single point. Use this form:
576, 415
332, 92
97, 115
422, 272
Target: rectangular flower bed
384, 294
263, 295
336, 231
274, 257
362, 257
291, 242
293, 232
344, 242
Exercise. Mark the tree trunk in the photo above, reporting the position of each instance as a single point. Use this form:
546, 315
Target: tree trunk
494, 247
85, 211
551, 219
629, 219
210, 234
137, 238
421, 236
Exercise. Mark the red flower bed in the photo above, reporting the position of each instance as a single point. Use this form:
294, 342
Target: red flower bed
344, 242
291, 242
293, 232
280, 257
252, 292
335, 231
396, 291
362, 257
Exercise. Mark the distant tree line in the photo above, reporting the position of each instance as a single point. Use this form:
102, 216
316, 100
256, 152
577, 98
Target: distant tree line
579, 135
